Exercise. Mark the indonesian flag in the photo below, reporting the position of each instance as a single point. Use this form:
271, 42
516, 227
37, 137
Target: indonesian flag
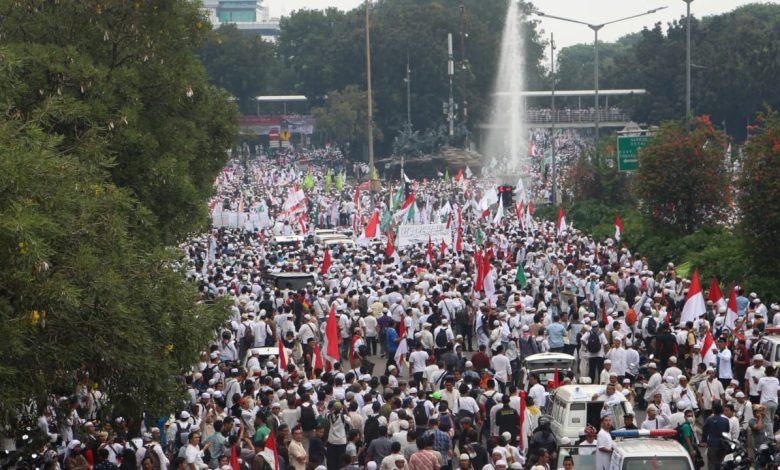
459, 176
480, 278
523, 441
325, 263
443, 248
429, 255
522, 195
449, 220
318, 364
405, 208
459, 241
371, 231
618, 227
716, 296
270, 443
519, 209
708, 350
731, 310
234, 457
282, 357
694, 303
356, 201
390, 250
561, 225
332, 335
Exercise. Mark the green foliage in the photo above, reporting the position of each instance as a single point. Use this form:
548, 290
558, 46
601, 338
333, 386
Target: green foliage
597, 177
80, 295
239, 63
344, 118
129, 70
326, 52
682, 176
735, 57
759, 196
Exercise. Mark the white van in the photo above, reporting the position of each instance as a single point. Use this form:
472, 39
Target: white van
769, 347
573, 409
650, 453
545, 365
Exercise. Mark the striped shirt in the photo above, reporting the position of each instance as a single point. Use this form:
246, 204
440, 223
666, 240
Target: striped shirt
424, 460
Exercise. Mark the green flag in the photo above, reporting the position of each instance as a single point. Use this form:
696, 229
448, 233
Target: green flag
387, 218
308, 182
410, 214
339, 182
328, 180
398, 199
520, 277
446, 175
374, 174
479, 237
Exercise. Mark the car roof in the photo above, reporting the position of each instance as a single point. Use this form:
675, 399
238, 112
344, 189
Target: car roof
581, 392
550, 356
292, 274
649, 446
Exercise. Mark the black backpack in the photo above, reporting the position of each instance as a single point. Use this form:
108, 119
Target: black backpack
441, 338
420, 414
308, 419
249, 336
594, 342
182, 435
490, 402
652, 326
462, 317
371, 428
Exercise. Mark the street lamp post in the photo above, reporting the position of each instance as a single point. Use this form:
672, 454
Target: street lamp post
374, 184
688, 67
552, 124
596, 28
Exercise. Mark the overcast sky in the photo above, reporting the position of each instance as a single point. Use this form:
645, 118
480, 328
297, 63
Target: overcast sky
566, 34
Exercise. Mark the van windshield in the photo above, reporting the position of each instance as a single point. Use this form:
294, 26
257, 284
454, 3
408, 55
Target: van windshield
655, 463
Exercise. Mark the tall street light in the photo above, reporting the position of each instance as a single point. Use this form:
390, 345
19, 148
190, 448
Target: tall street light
688, 68
596, 28
374, 184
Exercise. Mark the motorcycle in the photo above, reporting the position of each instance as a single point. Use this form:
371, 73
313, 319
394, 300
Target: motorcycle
767, 455
737, 458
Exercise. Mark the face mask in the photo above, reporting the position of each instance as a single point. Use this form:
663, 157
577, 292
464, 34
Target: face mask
690, 420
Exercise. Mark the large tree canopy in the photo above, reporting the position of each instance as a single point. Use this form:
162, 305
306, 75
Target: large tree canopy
129, 68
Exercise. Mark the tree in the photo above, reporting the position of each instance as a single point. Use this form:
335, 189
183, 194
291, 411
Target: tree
129, 68
239, 63
596, 178
682, 179
344, 118
83, 298
759, 191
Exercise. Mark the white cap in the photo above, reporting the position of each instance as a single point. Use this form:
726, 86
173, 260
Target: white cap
652, 365
758, 357
501, 463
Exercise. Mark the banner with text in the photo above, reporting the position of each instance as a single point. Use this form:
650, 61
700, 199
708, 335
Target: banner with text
420, 233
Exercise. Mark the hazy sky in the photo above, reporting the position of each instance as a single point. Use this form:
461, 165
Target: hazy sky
566, 34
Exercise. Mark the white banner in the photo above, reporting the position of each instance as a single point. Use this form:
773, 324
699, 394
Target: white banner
420, 233
247, 221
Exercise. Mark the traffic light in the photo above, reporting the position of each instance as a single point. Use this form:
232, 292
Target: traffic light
506, 193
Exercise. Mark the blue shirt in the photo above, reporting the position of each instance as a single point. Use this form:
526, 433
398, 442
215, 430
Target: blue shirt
556, 332
713, 429
392, 346
742, 304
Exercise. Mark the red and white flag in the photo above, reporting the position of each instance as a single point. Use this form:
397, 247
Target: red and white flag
332, 336
709, 352
716, 296
694, 302
403, 212
459, 241
371, 231
443, 248
731, 311
282, 357
561, 225
326, 262
429, 255
318, 364
618, 227
270, 443
403, 348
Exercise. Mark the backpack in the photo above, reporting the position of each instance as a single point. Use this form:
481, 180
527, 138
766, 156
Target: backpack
490, 402
371, 428
441, 338
462, 316
270, 340
152, 455
182, 435
464, 413
249, 336
420, 414
652, 326
308, 419
594, 342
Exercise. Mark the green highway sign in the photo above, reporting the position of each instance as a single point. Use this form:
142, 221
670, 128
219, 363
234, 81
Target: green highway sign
627, 149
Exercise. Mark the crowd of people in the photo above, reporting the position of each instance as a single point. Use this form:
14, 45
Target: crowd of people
430, 341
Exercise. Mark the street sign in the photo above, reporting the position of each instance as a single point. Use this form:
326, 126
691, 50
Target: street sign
273, 134
285, 135
627, 148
